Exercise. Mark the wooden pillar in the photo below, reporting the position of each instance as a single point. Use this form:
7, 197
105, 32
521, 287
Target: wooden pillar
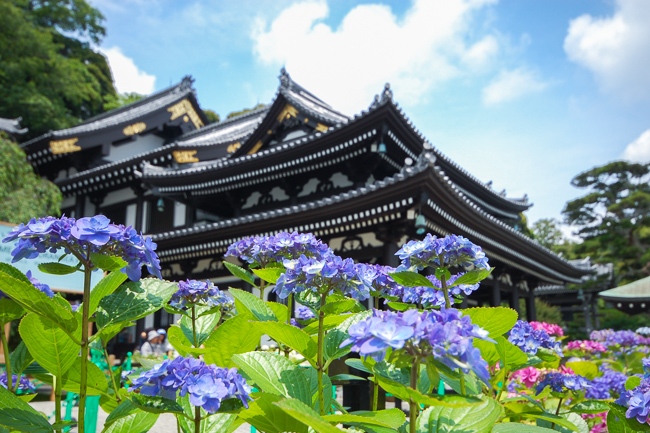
139, 208
531, 312
79, 207
514, 299
496, 293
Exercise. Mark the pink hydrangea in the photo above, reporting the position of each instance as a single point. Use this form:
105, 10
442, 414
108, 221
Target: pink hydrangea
586, 346
527, 376
550, 328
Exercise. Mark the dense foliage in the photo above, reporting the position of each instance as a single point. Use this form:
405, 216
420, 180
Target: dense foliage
479, 369
23, 194
50, 74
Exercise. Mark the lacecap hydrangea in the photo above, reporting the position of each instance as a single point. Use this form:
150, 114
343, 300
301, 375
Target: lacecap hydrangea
528, 339
263, 250
448, 252
195, 292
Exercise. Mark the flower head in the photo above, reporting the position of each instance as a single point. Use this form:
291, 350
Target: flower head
561, 382
263, 250
586, 346
528, 339
449, 251
194, 292
24, 385
550, 328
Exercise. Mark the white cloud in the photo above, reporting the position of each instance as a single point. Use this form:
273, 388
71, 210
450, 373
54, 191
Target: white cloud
639, 149
126, 75
351, 62
616, 49
511, 85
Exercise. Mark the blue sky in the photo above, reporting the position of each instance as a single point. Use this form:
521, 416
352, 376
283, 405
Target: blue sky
526, 93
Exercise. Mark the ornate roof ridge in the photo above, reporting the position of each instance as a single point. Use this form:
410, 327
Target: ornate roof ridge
12, 126
208, 128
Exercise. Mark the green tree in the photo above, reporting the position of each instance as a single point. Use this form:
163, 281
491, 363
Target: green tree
212, 116
547, 232
243, 111
614, 217
50, 75
23, 194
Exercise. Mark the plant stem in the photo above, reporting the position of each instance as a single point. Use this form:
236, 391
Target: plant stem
445, 291
375, 394
506, 377
262, 287
57, 402
194, 339
413, 405
197, 419
463, 391
5, 349
320, 366
197, 409
110, 373
84, 348
557, 411
289, 307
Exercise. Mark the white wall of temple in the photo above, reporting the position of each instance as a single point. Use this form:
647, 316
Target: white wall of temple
340, 180
367, 238
118, 196
142, 143
179, 214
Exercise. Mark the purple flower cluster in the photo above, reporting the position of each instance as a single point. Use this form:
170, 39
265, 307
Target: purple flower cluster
40, 286
446, 252
609, 385
637, 401
194, 292
529, 339
586, 346
262, 250
327, 273
24, 385
560, 382
82, 237
377, 278
304, 313
207, 385
428, 296
625, 338
446, 335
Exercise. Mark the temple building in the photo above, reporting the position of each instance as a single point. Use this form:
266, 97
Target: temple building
365, 184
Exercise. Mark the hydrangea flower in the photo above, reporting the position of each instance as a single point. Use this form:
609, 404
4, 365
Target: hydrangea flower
550, 328
624, 338
560, 382
609, 385
83, 237
586, 346
527, 376
24, 385
638, 405
446, 335
328, 273
528, 339
304, 313
263, 250
194, 292
449, 251
207, 385
40, 286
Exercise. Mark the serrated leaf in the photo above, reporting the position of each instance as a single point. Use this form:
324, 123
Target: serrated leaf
105, 287
107, 263
545, 418
54, 268
495, 320
10, 310
411, 279
178, 339
311, 375
632, 382
477, 418
49, 345
96, 380
274, 374
19, 415
20, 359
406, 393
291, 336
270, 275
32, 299
344, 377
133, 301
472, 277
203, 328
329, 322
510, 355
393, 418
252, 304
234, 336
358, 364
590, 406
488, 350
631, 423
279, 310
139, 421
342, 307
515, 427
14, 272
306, 415
155, 404
266, 417
240, 273
587, 369
399, 306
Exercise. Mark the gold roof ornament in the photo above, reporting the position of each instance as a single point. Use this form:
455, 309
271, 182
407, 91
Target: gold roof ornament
64, 146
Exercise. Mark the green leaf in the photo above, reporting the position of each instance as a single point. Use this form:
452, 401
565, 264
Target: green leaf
358, 364
105, 287
50, 346
587, 369
20, 359
32, 299
510, 355
393, 418
178, 339
632, 382
130, 420
341, 307
107, 263
590, 406
406, 393
472, 277
133, 301
247, 302
10, 310
328, 323
275, 374
19, 415
400, 306
96, 379
235, 335
306, 415
411, 279
488, 350
204, 326
266, 417
344, 377
240, 273
279, 310
291, 336
546, 419
311, 375
631, 423
55, 268
477, 418
14, 272
495, 320
155, 404
515, 427
270, 275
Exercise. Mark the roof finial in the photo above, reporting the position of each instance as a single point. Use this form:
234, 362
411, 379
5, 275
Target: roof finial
186, 82
387, 94
285, 79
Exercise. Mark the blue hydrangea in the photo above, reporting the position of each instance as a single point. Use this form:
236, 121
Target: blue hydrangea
264, 250
206, 385
609, 385
561, 382
24, 385
194, 292
529, 340
329, 273
637, 401
83, 237
304, 313
624, 338
450, 251
446, 335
